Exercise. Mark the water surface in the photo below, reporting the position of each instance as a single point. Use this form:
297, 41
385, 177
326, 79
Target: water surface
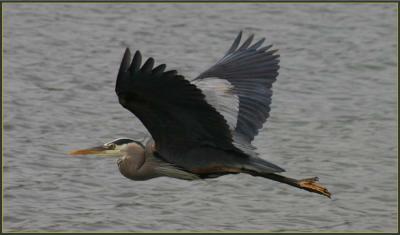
333, 115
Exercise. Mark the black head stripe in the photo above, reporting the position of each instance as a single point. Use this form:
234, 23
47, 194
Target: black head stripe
122, 141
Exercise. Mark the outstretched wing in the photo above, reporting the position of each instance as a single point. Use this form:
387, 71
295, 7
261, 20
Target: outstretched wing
251, 70
172, 109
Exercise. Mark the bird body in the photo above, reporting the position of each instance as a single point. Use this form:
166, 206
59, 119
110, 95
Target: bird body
202, 128
140, 163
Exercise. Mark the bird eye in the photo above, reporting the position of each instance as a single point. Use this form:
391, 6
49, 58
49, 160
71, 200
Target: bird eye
110, 146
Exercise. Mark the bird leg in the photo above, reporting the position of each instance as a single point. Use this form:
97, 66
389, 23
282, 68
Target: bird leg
311, 185
308, 184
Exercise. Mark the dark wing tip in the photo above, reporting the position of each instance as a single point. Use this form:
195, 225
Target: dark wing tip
235, 43
157, 71
247, 43
136, 65
136, 62
125, 61
170, 73
123, 68
148, 65
127, 51
258, 44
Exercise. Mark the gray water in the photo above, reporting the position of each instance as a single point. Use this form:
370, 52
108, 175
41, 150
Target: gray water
334, 113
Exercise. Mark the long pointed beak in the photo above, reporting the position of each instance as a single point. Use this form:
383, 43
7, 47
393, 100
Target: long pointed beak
94, 151
98, 151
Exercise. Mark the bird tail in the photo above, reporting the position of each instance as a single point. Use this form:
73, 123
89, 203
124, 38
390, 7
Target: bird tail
308, 184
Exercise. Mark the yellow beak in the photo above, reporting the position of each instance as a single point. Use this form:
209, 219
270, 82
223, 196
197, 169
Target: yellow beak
98, 151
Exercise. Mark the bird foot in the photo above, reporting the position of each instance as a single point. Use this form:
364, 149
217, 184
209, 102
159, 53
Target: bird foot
311, 185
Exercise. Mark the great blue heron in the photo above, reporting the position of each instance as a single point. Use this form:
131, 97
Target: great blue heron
201, 128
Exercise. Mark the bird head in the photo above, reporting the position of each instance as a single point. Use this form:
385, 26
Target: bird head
113, 148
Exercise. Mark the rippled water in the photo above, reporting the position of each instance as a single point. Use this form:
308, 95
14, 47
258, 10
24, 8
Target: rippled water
333, 116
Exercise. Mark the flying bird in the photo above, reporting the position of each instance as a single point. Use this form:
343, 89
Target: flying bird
200, 128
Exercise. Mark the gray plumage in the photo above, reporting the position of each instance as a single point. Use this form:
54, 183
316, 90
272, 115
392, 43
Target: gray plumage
252, 72
201, 128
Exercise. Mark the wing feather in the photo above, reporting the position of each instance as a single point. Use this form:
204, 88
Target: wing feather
172, 109
251, 70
